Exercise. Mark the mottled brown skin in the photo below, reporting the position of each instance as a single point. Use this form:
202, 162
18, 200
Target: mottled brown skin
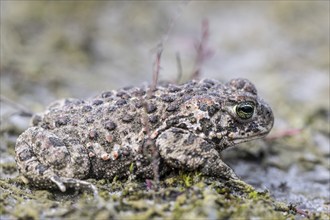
115, 134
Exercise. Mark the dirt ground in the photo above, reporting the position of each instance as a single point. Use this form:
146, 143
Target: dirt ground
58, 49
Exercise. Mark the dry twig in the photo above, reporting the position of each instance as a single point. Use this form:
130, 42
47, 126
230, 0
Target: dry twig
155, 75
179, 67
203, 52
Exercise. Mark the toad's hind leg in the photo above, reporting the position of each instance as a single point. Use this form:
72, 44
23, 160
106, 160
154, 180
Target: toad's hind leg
49, 162
182, 149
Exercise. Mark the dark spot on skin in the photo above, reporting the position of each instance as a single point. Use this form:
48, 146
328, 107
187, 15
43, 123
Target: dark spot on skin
59, 163
205, 146
106, 94
90, 148
139, 92
190, 140
214, 158
171, 122
186, 98
153, 119
98, 111
169, 150
127, 118
80, 162
253, 127
138, 104
206, 86
25, 155
182, 125
174, 89
68, 102
27, 167
90, 119
126, 88
172, 107
125, 153
219, 128
151, 108
75, 142
231, 129
41, 169
206, 125
225, 145
110, 125
189, 90
86, 108
177, 131
46, 125
214, 94
56, 142
216, 140
177, 135
74, 122
97, 102
167, 98
111, 108
121, 102
38, 144
209, 81
203, 90
164, 136
212, 109
63, 120
123, 95
202, 106
191, 84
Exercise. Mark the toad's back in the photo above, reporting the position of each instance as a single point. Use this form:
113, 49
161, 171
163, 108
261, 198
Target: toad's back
123, 117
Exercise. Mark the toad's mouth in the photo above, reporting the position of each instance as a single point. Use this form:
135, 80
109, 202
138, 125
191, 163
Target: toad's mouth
237, 139
251, 138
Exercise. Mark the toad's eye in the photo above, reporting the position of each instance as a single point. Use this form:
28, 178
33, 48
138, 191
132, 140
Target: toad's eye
245, 110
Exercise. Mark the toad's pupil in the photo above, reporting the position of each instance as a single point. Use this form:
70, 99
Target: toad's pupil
246, 109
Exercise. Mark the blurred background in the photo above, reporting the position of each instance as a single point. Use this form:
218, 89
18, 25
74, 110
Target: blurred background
58, 49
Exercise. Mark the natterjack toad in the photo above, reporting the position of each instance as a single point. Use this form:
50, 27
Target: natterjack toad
117, 133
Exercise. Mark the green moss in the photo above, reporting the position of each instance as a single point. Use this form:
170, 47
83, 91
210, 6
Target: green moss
183, 196
8, 168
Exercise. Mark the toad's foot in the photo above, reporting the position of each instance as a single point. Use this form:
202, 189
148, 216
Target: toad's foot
63, 183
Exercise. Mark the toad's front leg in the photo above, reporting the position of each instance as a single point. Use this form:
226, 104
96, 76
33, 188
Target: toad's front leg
49, 162
184, 150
